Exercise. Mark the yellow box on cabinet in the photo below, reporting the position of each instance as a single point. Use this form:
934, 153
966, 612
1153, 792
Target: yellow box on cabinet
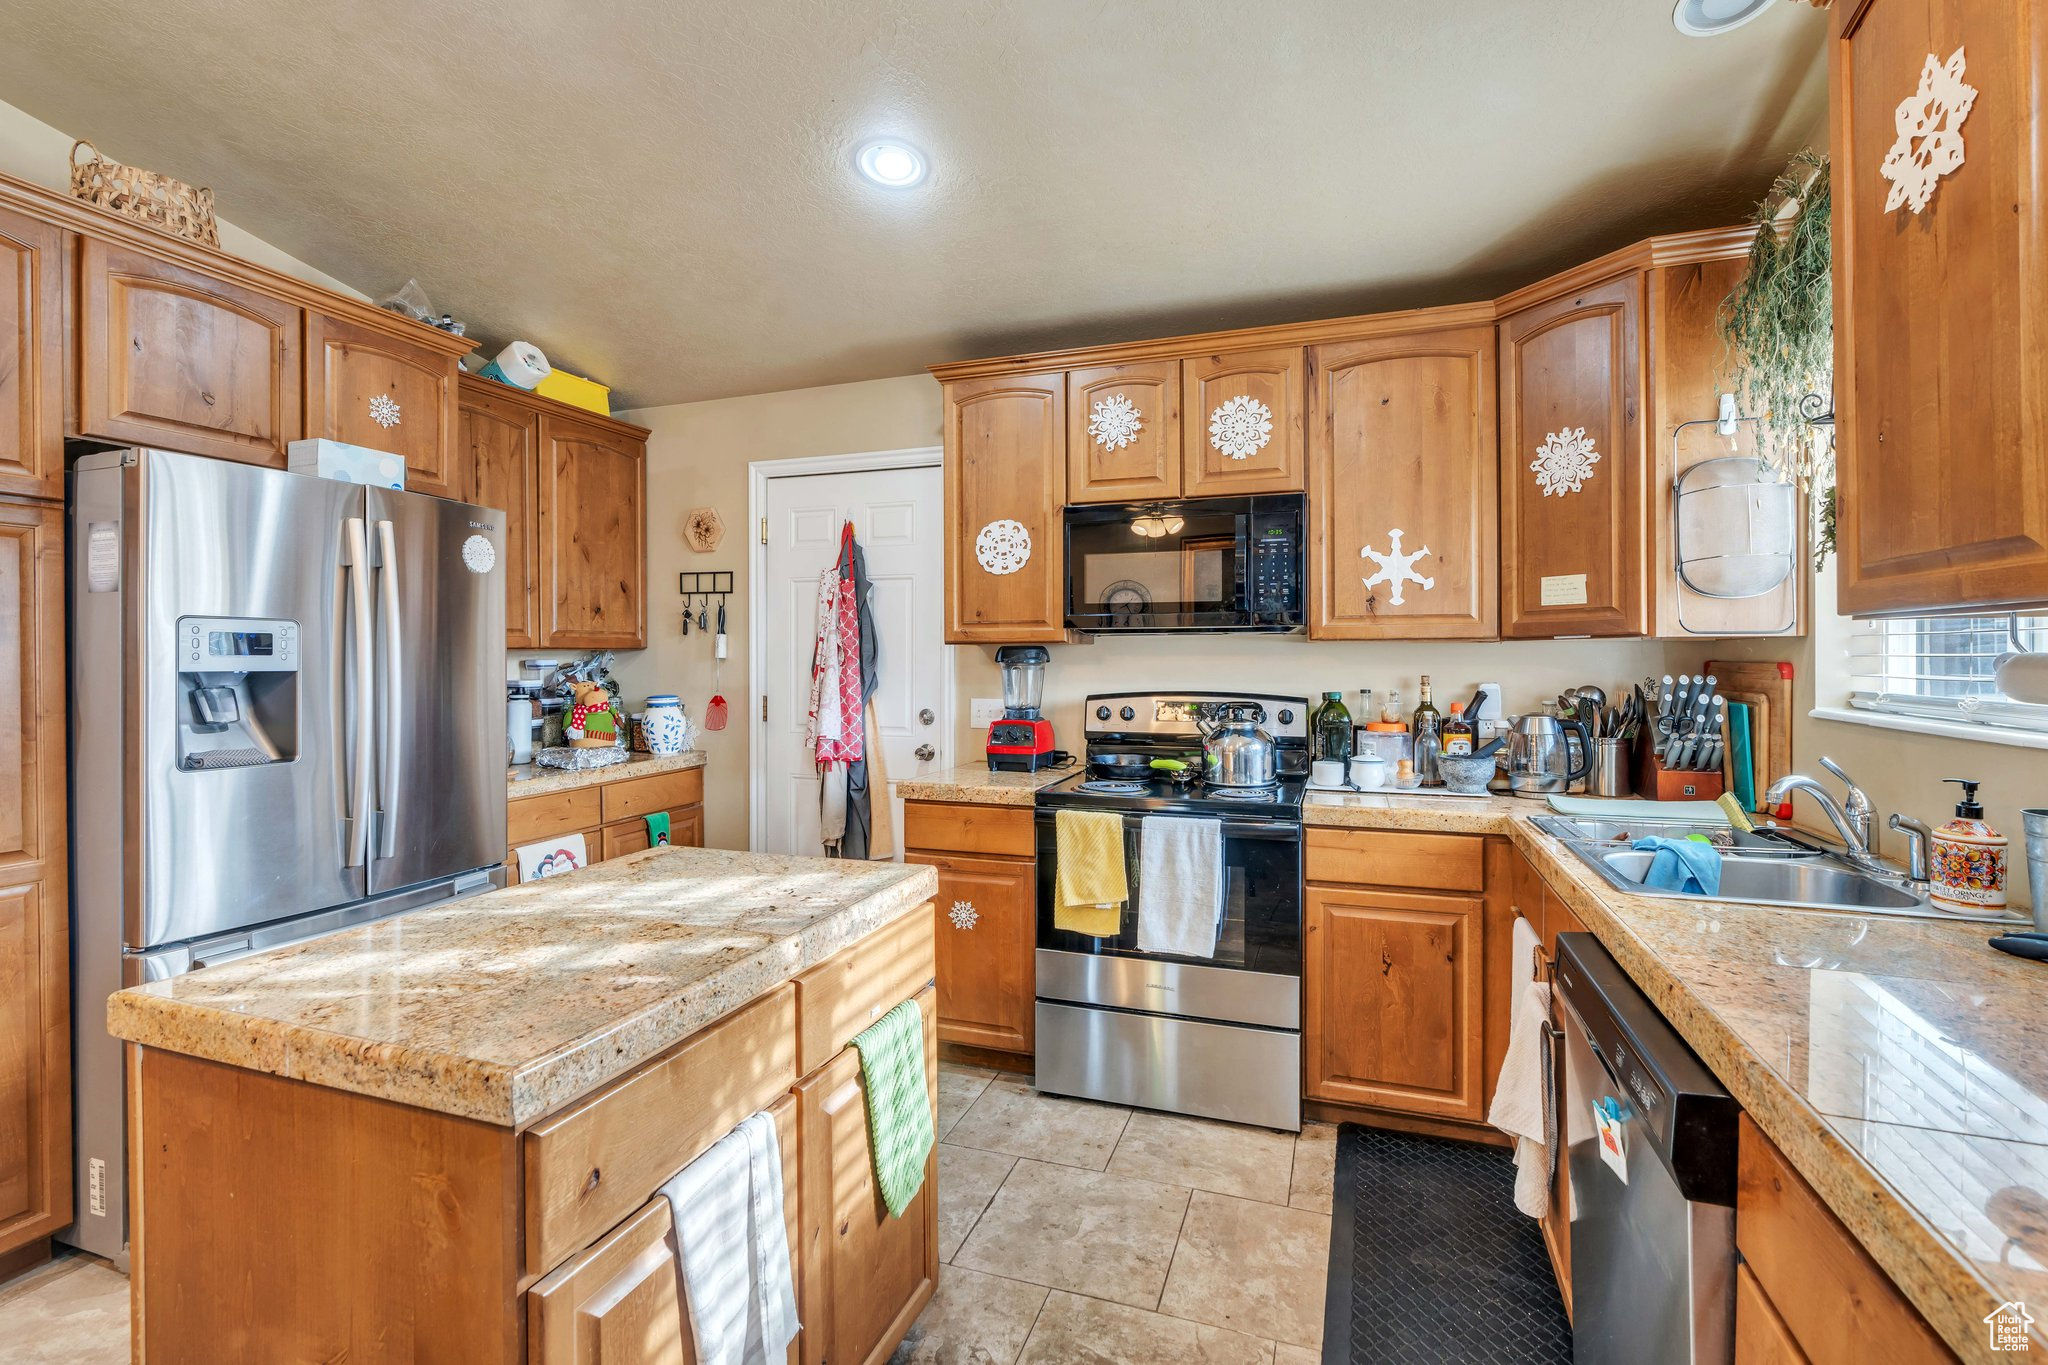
577, 391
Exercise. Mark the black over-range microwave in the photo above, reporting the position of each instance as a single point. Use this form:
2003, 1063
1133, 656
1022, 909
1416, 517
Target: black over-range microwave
1199, 564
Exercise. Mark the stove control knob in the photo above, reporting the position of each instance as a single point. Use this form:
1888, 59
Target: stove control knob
1286, 715
1102, 713
1127, 714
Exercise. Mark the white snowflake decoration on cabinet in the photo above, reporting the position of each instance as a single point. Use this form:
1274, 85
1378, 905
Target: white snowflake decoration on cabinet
1003, 547
1930, 124
1114, 422
964, 915
1564, 461
1240, 426
1396, 568
384, 410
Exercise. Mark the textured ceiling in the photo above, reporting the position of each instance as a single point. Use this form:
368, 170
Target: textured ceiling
659, 194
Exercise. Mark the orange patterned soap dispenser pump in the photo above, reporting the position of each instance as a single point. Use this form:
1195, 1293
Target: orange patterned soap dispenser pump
1968, 857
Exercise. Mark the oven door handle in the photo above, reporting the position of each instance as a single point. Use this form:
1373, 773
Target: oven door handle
1273, 831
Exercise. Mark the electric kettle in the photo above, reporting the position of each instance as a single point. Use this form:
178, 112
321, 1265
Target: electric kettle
1540, 756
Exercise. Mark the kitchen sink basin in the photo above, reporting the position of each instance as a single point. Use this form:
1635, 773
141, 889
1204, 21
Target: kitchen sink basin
1768, 866
1819, 884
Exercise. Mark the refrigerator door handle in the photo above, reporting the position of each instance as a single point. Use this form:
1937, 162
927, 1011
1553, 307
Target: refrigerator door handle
387, 578
356, 818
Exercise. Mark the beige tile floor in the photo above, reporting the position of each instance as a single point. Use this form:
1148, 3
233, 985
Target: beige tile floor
1081, 1232
1071, 1232
73, 1309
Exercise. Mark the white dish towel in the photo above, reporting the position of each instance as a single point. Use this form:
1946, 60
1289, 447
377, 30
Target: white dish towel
1522, 1103
736, 1282
1180, 885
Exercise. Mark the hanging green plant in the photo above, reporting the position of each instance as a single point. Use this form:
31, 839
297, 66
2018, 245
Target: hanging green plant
1778, 326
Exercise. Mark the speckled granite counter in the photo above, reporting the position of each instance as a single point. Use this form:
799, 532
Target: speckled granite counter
530, 779
1900, 1064
973, 784
508, 1005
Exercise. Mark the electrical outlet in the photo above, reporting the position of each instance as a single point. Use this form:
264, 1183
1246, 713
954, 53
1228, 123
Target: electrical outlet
987, 711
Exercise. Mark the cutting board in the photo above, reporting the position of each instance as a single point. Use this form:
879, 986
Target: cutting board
1766, 688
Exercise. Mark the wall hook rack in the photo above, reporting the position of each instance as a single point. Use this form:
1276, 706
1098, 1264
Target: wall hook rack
698, 588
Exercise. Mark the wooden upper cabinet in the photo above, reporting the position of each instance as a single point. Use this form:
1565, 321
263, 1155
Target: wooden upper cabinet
1241, 429
1687, 376
1123, 432
1941, 317
593, 536
31, 357
172, 357
1401, 444
35, 972
498, 443
1392, 989
1005, 483
1573, 516
373, 388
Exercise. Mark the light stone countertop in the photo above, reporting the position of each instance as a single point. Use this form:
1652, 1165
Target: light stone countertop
530, 779
1900, 1064
506, 1006
972, 784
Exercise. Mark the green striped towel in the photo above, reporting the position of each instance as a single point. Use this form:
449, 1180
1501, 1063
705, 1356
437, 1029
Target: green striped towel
899, 1107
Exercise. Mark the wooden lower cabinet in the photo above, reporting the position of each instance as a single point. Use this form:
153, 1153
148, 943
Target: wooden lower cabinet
1829, 1301
865, 1275
611, 816
986, 917
616, 1303
987, 922
685, 830
1761, 1336
1393, 1000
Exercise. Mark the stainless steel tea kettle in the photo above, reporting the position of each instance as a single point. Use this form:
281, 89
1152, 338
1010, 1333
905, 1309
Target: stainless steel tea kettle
1235, 751
1540, 756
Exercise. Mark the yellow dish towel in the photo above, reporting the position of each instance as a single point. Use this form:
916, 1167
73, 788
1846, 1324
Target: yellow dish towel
1091, 887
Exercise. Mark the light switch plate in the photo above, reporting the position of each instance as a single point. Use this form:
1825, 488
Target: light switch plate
987, 711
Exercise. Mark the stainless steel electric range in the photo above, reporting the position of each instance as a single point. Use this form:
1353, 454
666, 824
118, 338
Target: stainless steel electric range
1218, 1037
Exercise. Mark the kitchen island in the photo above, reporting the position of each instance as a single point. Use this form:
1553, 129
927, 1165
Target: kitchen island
439, 1136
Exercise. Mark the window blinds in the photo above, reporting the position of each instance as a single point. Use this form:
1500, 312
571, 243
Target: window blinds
1941, 667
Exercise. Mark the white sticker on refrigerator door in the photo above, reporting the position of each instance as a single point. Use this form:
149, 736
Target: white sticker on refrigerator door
478, 554
103, 556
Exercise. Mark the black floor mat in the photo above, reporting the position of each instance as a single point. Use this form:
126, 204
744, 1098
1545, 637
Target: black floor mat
1430, 1261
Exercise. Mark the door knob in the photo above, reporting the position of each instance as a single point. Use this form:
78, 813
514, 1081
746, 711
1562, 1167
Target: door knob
926, 752
927, 716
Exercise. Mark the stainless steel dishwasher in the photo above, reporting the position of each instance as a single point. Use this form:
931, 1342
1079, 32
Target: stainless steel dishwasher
1650, 1138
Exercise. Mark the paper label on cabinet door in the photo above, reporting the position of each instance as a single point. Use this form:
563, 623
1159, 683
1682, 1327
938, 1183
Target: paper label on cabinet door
103, 556
1613, 1137
1564, 590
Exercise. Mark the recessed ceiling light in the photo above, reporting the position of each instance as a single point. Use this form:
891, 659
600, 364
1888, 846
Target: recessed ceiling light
1705, 18
897, 165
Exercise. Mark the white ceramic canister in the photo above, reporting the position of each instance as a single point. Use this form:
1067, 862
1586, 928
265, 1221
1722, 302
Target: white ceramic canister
664, 725
1369, 770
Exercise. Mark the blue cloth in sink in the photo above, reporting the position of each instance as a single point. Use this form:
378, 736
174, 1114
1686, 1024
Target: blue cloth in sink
1687, 865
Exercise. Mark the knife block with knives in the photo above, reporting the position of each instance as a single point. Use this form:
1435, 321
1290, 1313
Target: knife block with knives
1680, 756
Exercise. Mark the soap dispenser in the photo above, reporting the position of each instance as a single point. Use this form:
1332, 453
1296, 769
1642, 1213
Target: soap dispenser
1968, 858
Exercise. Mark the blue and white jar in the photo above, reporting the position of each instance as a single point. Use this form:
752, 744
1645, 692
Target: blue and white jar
667, 730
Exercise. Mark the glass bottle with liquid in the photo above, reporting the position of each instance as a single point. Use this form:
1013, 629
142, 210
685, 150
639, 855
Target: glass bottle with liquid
1425, 709
1458, 732
1333, 728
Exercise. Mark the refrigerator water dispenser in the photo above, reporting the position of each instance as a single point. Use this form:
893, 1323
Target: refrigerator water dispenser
238, 692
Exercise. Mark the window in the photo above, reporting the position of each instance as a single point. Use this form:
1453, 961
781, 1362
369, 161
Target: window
1940, 667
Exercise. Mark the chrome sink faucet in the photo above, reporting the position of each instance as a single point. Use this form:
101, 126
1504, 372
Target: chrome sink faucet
1852, 817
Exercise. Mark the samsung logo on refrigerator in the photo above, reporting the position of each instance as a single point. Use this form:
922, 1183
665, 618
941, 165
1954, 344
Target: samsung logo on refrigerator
482, 526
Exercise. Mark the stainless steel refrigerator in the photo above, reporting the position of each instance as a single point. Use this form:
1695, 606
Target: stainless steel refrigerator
287, 717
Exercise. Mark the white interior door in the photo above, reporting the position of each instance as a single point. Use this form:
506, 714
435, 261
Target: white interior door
896, 516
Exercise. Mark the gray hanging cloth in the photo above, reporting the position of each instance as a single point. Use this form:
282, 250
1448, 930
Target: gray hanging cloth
860, 815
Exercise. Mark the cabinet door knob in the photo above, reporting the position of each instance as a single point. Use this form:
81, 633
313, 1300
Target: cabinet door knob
926, 752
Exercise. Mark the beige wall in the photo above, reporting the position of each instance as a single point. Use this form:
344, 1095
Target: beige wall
34, 151
697, 456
